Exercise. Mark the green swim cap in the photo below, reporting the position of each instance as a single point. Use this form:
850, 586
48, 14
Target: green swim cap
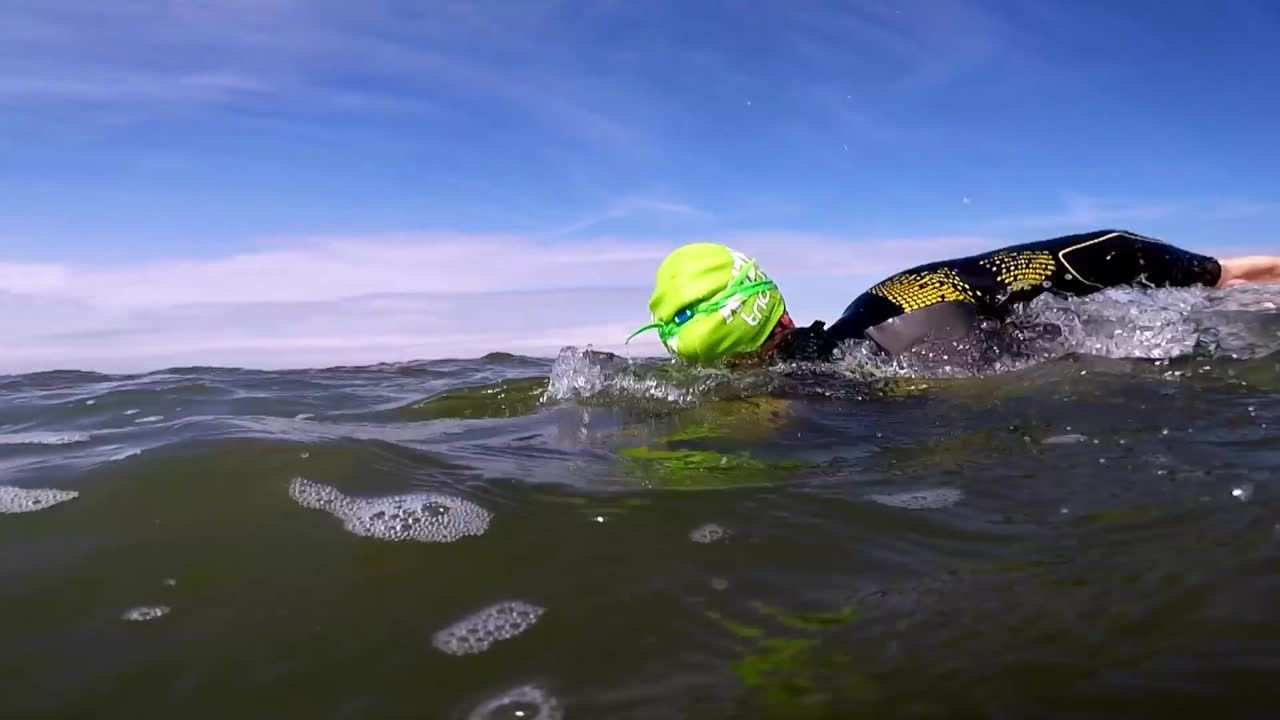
710, 301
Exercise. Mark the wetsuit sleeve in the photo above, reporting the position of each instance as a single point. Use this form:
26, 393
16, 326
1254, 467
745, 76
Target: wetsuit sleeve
1115, 257
1073, 265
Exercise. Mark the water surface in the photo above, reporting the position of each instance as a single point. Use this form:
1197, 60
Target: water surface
1085, 528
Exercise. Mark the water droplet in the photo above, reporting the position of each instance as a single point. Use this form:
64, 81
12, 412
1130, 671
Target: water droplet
599, 518
1164, 431
1243, 492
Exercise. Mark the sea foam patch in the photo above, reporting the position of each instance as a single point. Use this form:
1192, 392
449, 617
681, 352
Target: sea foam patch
145, 613
709, 533
931, 499
419, 517
24, 500
478, 632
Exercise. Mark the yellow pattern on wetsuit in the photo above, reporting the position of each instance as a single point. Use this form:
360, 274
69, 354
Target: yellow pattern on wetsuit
913, 291
1021, 270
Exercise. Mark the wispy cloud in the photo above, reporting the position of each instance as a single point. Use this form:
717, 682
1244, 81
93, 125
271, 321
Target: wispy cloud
630, 207
281, 54
366, 300
1083, 211
1080, 212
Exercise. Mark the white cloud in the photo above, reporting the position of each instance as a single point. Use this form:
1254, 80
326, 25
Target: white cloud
368, 300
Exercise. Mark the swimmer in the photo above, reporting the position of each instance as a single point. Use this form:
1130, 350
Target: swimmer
711, 303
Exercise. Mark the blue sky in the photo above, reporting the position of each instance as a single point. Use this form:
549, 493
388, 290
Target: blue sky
170, 154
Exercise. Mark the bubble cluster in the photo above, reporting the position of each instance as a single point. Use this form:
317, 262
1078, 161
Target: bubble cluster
527, 702
420, 517
709, 533
477, 632
921, 499
145, 613
23, 500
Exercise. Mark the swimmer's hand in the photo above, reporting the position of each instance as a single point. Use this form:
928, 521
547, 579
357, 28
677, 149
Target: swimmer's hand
1254, 269
807, 344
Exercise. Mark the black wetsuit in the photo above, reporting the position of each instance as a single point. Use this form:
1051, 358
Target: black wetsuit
906, 307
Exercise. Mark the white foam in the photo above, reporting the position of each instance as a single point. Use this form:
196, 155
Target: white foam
1064, 439
42, 438
145, 613
476, 633
150, 419
420, 517
124, 454
526, 702
931, 499
24, 500
709, 533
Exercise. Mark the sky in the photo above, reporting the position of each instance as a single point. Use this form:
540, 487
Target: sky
286, 183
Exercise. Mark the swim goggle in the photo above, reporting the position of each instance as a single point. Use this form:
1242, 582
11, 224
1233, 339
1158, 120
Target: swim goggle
738, 289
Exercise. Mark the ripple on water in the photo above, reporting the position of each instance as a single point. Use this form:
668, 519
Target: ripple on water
477, 632
420, 517
526, 702
24, 500
931, 499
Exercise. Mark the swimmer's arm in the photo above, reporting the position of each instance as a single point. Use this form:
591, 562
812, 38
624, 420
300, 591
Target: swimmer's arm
1261, 269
